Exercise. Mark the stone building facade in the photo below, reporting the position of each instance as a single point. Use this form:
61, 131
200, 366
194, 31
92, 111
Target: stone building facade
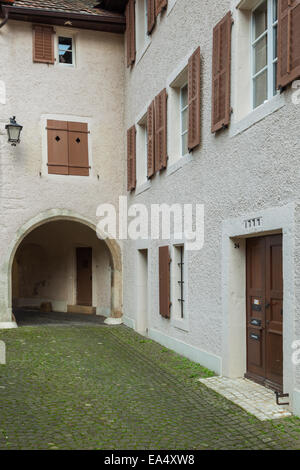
85, 86
231, 305
240, 296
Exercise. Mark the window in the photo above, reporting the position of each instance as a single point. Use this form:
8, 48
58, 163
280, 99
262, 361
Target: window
180, 267
67, 148
179, 285
142, 151
65, 50
184, 119
264, 51
178, 294
142, 38
178, 117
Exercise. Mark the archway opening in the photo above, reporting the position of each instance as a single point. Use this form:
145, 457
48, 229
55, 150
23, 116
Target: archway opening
62, 266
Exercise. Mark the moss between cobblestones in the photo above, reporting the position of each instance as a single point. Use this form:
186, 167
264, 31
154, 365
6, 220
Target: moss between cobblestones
94, 387
175, 364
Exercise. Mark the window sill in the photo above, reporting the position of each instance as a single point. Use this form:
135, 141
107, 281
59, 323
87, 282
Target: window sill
143, 187
65, 66
258, 115
182, 325
179, 163
50, 176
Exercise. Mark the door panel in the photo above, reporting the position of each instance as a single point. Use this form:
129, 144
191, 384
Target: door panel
274, 310
84, 276
264, 310
255, 306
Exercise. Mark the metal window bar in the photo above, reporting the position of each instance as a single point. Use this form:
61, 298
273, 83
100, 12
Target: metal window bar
181, 283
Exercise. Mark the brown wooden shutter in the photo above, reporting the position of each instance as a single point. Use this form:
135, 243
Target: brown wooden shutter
78, 149
194, 95
161, 156
151, 140
151, 16
130, 32
43, 44
221, 109
57, 147
131, 158
164, 282
288, 42
160, 5
67, 148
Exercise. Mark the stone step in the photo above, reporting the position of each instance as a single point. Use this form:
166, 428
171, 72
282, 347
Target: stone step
83, 309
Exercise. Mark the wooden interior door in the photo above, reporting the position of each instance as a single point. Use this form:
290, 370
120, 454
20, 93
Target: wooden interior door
84, 276
264, 310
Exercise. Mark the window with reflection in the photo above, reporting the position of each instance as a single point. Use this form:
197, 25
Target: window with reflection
264, 51
184, 119
65, 50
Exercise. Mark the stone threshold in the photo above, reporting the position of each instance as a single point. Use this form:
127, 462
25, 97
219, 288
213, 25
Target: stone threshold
252, 397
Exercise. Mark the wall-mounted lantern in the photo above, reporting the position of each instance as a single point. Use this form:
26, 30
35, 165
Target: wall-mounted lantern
13, 131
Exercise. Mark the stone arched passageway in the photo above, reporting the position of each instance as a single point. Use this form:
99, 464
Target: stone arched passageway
42, 276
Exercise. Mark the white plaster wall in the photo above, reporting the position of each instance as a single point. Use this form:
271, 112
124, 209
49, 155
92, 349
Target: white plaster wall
233, 174
93, 91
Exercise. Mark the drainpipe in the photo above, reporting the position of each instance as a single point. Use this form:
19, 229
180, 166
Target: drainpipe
5, 17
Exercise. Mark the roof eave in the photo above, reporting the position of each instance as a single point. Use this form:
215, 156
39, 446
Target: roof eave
99, 22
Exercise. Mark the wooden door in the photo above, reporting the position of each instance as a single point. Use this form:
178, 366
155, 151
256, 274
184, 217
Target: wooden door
274, 310
256, 281
84, 276
264, 310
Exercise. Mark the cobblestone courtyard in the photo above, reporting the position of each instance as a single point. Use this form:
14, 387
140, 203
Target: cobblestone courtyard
95, 387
